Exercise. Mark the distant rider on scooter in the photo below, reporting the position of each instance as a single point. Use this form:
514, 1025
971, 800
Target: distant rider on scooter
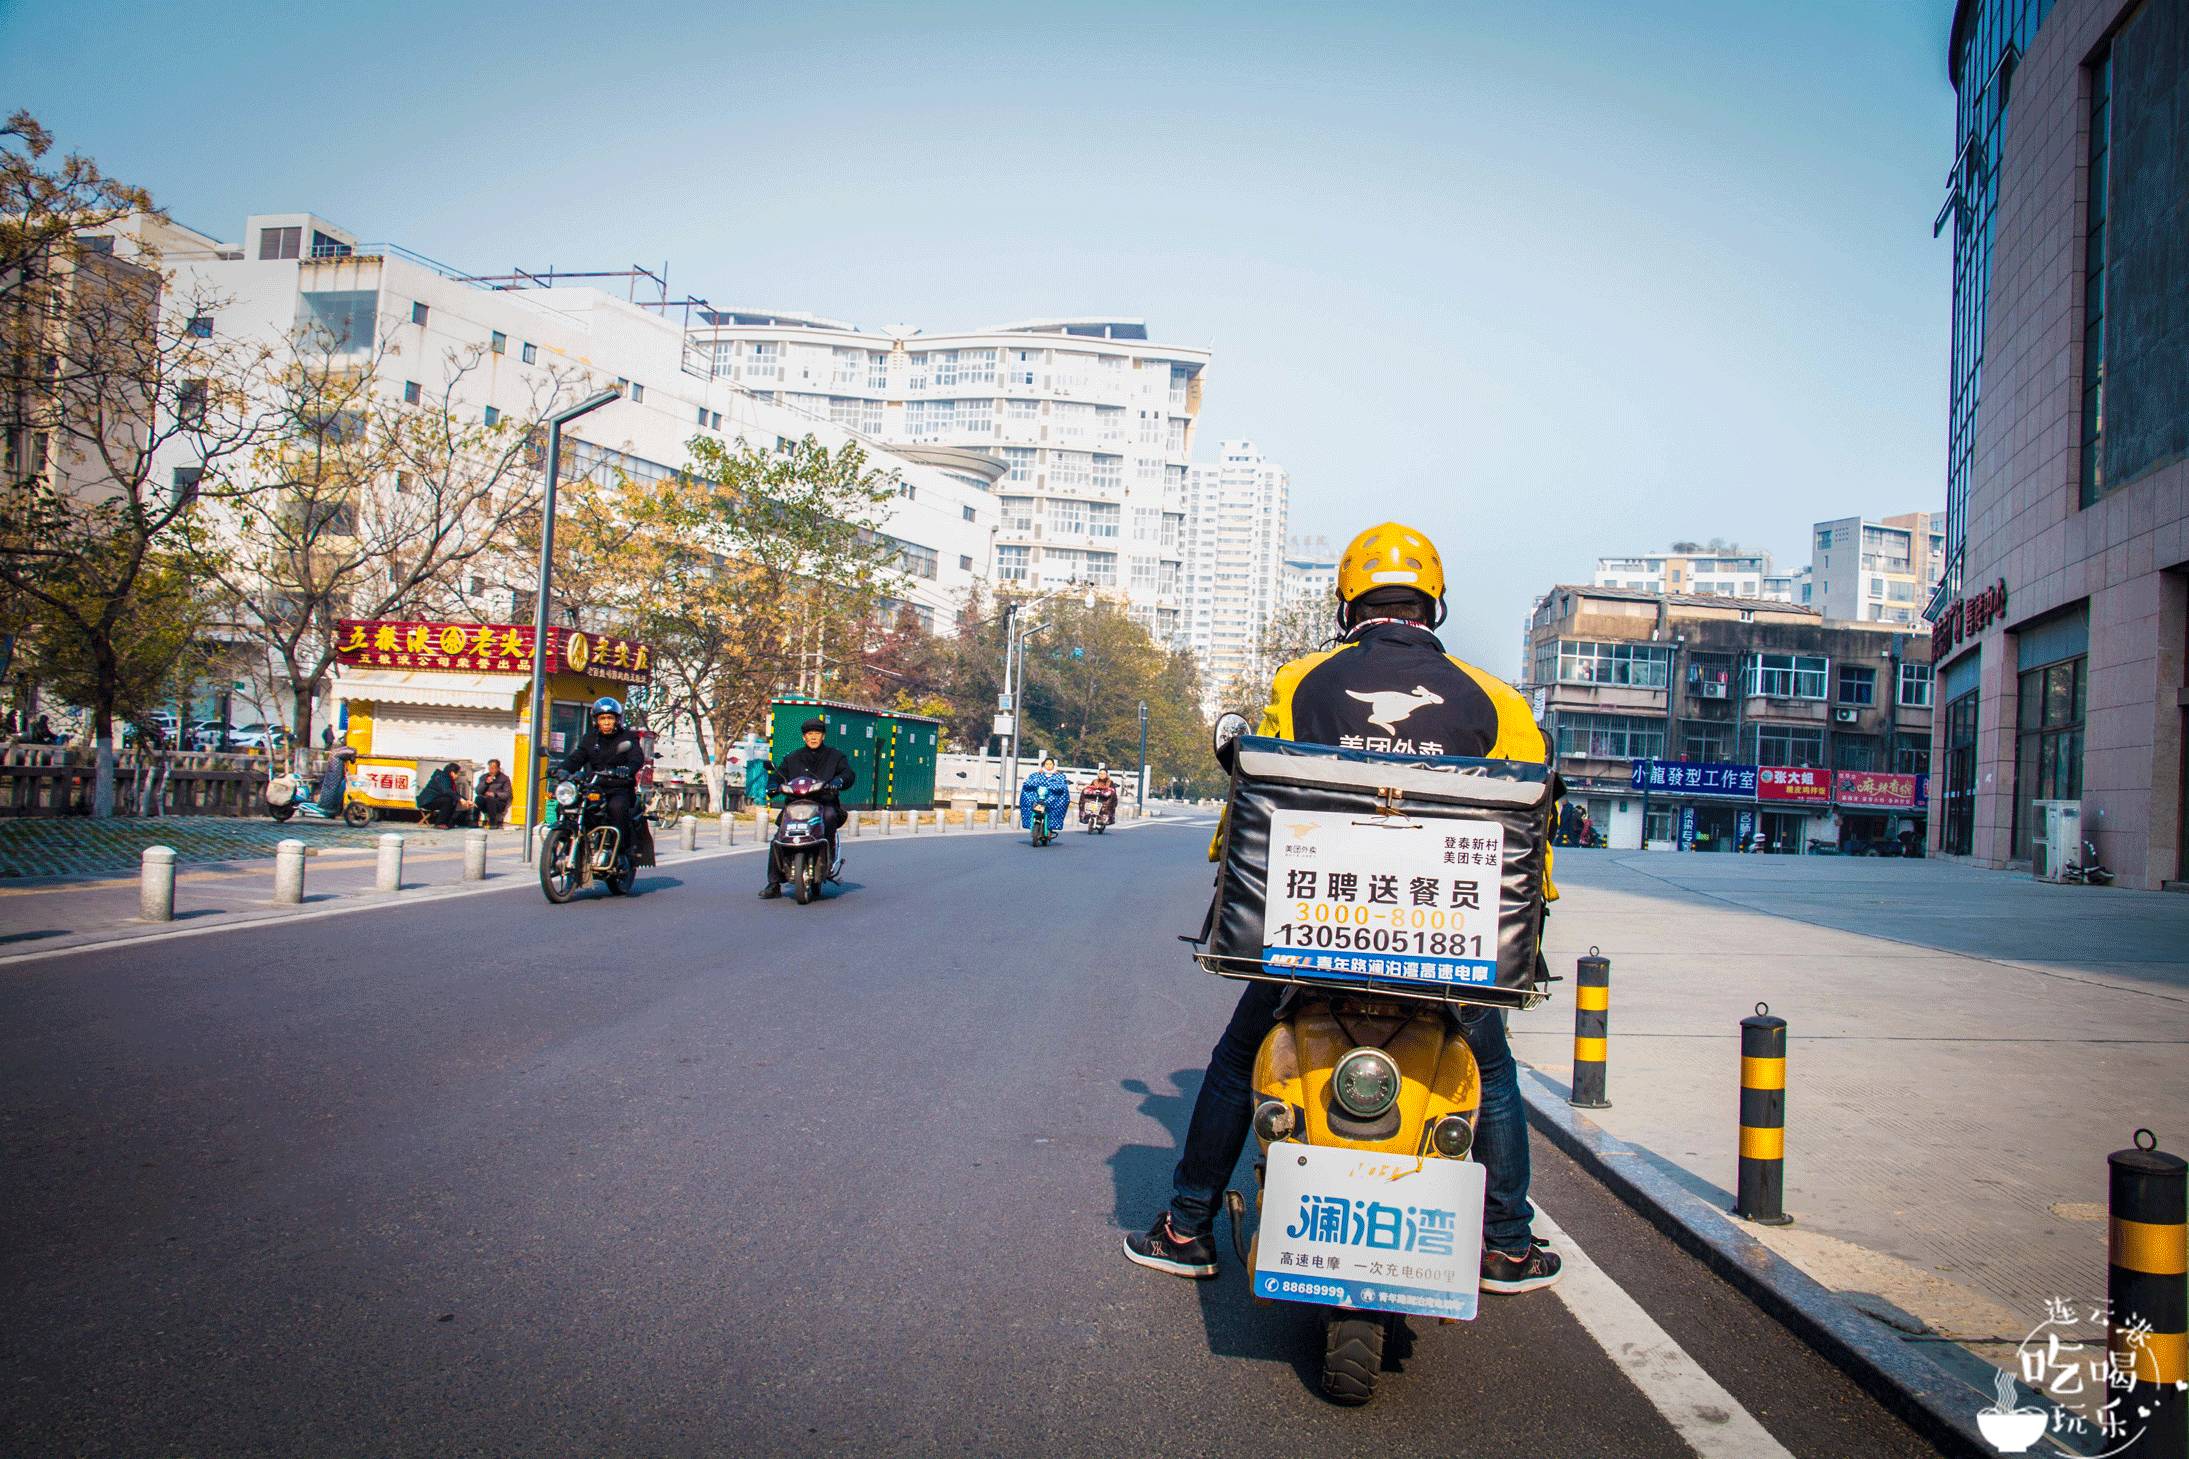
1047, 782
614, 753
820, 761
1387, 685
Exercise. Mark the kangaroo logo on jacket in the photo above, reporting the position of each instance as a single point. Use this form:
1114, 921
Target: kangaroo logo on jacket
1392, 705
1392, 689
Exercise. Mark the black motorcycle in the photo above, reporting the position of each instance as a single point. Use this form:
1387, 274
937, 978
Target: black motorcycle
801, 852
583, 845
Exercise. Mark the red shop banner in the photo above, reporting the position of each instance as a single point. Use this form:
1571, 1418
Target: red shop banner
1793, 782
488, 648
1869, 788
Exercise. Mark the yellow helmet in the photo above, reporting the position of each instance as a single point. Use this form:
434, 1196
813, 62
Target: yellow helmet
1390, 555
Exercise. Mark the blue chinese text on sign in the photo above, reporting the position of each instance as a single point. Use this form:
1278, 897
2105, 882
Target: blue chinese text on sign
1687, 777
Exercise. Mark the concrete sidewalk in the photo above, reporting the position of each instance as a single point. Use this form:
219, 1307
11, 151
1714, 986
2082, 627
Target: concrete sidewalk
1965, 1048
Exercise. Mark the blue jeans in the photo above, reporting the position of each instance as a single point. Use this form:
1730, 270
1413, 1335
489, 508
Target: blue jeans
1224, 1111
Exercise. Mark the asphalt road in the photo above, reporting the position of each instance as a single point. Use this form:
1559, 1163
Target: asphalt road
690, 1173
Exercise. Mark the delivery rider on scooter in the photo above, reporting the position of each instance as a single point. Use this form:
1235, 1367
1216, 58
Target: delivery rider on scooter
1386, 685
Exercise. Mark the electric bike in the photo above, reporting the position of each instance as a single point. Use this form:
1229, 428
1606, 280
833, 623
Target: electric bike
1097, 809
582, 844
1366, 1093
801, 851
289, 795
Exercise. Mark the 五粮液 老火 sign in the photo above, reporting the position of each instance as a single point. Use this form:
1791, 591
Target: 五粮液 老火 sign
488, 648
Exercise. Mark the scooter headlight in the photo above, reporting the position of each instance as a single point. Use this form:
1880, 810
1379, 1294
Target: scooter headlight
566, 794
1273, 1120
1365, 1083
1453, 1137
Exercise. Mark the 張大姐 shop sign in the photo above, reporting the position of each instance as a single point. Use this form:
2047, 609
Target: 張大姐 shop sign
1967, 617
1871, 788
488, 648
1795, 783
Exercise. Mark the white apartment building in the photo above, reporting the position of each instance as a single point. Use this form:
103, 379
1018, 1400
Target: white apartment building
1877, 571
1236, 511
1092, 421
1792, 586
1310, 571
1733, 574
298, 272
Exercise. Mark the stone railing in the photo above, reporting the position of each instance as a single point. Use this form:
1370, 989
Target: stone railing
51, 780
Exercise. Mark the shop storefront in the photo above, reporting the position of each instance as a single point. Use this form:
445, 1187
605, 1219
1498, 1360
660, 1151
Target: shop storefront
2050, 694
1880, 814
416, 696
1694, 806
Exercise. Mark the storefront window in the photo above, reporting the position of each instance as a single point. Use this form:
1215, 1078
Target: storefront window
1960, 792
2048, 744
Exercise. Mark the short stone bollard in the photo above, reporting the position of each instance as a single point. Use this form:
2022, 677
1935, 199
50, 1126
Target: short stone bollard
389, 874
857, 820
914, 817
690, 828
2146, 1253
886, 819
475, 855
156, 884
728, 828
1760, 1194
289, 871
1591, 1028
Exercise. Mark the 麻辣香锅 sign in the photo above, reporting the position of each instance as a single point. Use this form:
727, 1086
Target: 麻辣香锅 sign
1874, 788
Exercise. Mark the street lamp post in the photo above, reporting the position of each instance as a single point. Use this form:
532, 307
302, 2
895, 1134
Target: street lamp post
1016, 656
1143, 778
538, 727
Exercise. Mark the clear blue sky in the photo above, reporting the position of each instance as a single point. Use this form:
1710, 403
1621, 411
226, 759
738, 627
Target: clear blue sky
1548, 280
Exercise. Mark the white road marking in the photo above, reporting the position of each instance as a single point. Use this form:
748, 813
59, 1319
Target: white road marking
1706, 1417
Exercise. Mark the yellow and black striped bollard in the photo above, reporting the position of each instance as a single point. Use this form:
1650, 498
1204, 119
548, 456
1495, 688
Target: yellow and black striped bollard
1760, 1195
1591, 1025
2147, 1280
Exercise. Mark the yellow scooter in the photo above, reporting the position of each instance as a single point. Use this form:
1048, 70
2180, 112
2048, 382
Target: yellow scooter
1366, 1099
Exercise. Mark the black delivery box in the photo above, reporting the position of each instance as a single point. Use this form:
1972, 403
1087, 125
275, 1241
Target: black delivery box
1387, 875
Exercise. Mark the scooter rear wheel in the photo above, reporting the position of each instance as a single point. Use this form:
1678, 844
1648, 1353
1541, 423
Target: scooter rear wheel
1352, 1357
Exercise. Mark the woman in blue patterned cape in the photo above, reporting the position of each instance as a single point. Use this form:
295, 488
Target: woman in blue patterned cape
1047, 781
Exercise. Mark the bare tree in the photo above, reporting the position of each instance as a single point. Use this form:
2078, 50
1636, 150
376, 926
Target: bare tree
120, 407
370, 503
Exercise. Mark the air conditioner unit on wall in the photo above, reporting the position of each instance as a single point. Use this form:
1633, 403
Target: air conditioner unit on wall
1845, 716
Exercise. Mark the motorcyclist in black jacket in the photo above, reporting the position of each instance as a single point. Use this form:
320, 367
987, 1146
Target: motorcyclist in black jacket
614, 752
820, 761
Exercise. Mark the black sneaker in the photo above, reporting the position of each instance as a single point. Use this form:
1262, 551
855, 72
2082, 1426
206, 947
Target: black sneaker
1536, 1267
1162, 1249
771, 890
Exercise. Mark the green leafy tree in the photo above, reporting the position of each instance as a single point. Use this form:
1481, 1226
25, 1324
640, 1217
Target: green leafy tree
763, 573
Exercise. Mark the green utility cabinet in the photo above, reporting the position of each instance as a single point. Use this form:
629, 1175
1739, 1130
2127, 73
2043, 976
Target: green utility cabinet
891, 754
907, 771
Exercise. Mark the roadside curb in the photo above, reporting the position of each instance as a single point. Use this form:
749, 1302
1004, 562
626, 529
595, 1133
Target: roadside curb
1937, 1405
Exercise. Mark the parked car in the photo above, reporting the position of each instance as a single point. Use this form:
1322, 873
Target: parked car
258, 737
207, 734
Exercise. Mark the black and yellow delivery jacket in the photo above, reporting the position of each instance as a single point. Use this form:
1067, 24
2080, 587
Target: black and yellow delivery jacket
1388, 732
